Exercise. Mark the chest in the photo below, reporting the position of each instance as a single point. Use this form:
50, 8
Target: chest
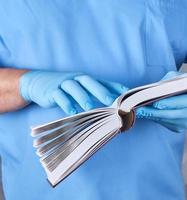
117, 40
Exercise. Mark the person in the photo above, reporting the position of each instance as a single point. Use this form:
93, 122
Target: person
64, 56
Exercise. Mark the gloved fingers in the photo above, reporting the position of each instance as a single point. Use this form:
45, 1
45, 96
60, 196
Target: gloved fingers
96, 89
175, 102
74, 89
69, 75
114, 87
170, 120
150, 112
63, 102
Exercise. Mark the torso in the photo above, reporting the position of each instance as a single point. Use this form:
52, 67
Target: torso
132, 42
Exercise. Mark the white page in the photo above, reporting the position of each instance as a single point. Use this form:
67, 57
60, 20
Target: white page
81, 150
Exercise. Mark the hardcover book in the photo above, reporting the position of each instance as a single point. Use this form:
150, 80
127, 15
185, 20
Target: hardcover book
65, 144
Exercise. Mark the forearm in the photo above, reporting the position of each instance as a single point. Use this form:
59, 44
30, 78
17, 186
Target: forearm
10, 98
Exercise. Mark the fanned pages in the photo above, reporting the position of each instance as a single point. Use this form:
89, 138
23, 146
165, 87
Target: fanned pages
63, 145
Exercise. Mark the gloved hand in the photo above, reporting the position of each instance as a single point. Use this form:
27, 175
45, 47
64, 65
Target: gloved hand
170, 112
49, 89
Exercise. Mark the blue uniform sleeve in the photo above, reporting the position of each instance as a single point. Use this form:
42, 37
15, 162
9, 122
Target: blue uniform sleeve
3, 47
4, 52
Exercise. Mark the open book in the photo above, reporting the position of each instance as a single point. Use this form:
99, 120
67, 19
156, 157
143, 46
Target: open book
65, 144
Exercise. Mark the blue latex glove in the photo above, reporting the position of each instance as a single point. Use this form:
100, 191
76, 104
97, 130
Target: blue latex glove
170, 112
49, 89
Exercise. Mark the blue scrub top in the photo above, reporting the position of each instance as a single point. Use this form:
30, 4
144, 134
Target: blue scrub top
132, 42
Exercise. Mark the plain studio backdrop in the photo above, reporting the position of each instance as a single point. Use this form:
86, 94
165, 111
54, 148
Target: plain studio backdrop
183, 68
